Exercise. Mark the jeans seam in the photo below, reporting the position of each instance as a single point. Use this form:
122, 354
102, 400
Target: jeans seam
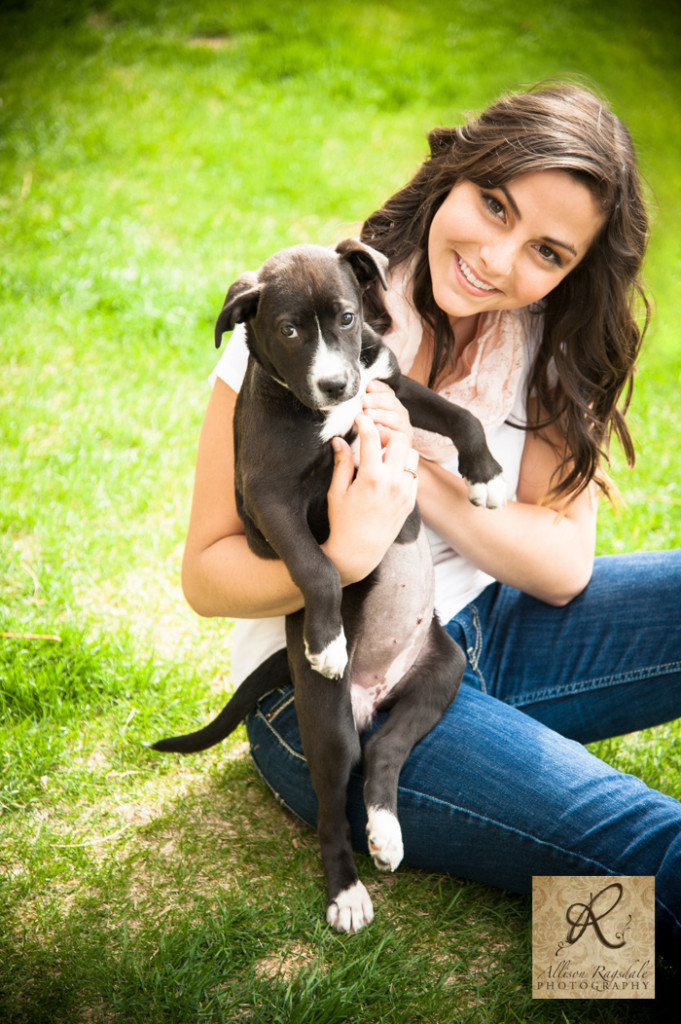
268, 719
599, 682
526, 835
277, 796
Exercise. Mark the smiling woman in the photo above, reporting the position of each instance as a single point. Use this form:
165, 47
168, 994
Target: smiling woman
542, 195
514, 262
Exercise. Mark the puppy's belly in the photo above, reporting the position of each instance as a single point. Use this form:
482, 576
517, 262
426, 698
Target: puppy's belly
396, 620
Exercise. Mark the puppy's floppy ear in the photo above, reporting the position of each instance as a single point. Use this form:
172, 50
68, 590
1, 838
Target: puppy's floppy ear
367, 264
241, 303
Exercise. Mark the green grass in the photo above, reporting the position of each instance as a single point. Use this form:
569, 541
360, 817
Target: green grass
149, 152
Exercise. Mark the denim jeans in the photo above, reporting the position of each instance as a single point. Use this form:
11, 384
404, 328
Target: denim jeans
502, 788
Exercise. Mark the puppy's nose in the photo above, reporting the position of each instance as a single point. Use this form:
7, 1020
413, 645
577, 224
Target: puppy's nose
333, 388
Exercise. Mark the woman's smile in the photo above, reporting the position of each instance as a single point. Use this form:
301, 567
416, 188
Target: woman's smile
471, 278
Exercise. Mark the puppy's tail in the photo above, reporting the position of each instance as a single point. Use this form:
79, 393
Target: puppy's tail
271, 674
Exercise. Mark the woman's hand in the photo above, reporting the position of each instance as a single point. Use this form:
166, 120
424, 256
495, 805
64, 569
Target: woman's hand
385, 409
368, 510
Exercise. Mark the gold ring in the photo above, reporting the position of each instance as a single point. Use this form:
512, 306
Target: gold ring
412, 462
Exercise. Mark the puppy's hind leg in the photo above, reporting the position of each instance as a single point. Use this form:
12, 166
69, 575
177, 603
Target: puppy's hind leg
417, 704
330, 758
331, 747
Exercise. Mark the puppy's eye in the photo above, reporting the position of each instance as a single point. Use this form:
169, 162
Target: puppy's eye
347, 319
288, 330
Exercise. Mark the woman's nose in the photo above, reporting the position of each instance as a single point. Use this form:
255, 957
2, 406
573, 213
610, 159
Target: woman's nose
498, 257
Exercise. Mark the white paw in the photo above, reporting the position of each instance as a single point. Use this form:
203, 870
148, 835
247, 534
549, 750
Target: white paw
332, 661
350, 910
489, 495
385, 838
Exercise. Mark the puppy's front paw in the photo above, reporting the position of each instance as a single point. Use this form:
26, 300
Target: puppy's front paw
332, 661
385, 838
351, 909
489, 495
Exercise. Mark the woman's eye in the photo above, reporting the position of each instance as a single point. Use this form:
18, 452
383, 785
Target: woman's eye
494, 205
549, 254
347, 319
288, 330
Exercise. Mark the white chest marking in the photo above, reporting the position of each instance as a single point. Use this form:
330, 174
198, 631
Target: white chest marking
339, 420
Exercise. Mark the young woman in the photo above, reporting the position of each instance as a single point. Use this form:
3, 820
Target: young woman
515, 255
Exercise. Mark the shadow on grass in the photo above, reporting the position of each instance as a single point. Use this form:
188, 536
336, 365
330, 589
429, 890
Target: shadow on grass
213, 911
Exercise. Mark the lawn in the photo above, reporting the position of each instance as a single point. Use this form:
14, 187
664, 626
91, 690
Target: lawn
150, 152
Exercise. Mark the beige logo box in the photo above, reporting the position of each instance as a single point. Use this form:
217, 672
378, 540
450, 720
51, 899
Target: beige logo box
593, 937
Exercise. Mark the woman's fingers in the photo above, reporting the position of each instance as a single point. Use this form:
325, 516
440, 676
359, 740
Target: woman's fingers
386, 451
385, 409
370, 445
344, 466
367, 509
381, 452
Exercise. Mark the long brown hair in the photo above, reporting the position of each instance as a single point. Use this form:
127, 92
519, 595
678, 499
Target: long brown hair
583, 373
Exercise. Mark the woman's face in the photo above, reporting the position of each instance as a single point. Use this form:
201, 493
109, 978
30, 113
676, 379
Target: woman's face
507, 247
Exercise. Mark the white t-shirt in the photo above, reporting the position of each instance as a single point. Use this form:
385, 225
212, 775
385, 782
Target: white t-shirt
457, 581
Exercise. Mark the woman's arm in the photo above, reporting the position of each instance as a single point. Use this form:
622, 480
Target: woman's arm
546, 551
221, 576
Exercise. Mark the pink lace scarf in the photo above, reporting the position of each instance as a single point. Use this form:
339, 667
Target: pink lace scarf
490, 370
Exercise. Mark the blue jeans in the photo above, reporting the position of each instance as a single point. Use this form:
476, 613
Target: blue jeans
502, 788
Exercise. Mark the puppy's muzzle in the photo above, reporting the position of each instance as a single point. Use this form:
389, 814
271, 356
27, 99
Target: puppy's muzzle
336, 389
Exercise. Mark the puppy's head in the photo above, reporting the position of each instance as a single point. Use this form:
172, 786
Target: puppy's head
303, 314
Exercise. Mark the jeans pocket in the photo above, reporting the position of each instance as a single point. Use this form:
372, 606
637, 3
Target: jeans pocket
272, 705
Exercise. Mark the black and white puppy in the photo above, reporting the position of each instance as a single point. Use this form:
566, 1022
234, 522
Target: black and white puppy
375, 645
